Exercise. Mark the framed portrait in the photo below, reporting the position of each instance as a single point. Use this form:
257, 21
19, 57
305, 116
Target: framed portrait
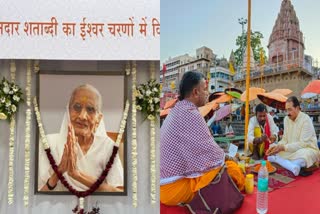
81, 114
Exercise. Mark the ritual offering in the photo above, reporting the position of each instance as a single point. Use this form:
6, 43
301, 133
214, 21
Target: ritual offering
270, 168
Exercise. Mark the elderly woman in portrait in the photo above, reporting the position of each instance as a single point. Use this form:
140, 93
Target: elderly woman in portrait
82, 148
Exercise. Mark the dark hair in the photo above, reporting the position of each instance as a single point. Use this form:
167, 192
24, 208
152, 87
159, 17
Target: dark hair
294, 101
188, 82
261, 108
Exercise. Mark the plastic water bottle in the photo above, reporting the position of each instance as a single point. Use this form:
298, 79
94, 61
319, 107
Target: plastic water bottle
262, 194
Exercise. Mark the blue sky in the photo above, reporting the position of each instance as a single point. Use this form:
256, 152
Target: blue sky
190, 24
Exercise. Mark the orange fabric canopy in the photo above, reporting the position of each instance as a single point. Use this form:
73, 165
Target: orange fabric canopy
312, 89
170, 103
284, 92
273, 100
204, 110
253, 92
223, 98
165, 112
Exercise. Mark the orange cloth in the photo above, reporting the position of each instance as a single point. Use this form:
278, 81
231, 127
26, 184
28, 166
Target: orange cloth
236, 174
183, 190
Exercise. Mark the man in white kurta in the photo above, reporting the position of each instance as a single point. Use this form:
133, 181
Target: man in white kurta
269, 131
298, 147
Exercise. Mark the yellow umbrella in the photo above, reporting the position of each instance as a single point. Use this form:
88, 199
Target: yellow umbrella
253, 92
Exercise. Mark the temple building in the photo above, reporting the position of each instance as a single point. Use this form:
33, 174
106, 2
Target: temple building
288, 66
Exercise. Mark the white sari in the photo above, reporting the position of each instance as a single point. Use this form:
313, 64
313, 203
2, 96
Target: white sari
92, 163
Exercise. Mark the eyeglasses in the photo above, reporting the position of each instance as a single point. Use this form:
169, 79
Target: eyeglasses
77, 107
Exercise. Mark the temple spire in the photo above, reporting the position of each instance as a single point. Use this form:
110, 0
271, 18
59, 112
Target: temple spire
286, 40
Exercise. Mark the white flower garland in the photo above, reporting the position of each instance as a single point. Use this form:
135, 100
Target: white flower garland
81, 203
13, 70
152, 146
36, 66
11, 142
43, 137
123, 123
134, 152
153, 161
27, 138
27, 159
128, 68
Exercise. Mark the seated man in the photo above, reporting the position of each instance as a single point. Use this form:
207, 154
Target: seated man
189, 157
298, 147
261, 131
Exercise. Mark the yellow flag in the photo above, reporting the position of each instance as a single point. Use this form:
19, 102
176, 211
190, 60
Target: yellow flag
261, 57
172, 85
231, 68
208, 76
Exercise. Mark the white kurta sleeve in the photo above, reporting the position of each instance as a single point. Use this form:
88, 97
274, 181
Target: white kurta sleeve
250, 134
306, 137
273, 127
284, 139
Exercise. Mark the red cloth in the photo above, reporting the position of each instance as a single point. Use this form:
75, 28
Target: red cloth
300, 196
164, 69
297, 197
173, 209
267, 132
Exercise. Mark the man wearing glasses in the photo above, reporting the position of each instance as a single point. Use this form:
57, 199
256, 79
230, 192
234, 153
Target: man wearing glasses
298, 147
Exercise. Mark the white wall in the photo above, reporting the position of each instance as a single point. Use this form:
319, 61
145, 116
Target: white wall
101, 46
64, 204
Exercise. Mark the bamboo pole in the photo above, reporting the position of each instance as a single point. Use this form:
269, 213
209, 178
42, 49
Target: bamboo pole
248, 76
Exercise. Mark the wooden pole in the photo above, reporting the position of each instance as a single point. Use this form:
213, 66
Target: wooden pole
247, 77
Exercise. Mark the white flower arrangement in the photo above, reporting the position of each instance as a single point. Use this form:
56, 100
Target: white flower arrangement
27, 136
134, 144
7, 91
10, 97
148, 99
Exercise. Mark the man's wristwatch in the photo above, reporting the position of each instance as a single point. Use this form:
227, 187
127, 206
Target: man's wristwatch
50, 187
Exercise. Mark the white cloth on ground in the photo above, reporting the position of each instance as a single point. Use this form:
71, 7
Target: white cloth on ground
292, 165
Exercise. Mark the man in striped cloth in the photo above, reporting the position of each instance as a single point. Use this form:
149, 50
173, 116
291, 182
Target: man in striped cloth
190, 159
